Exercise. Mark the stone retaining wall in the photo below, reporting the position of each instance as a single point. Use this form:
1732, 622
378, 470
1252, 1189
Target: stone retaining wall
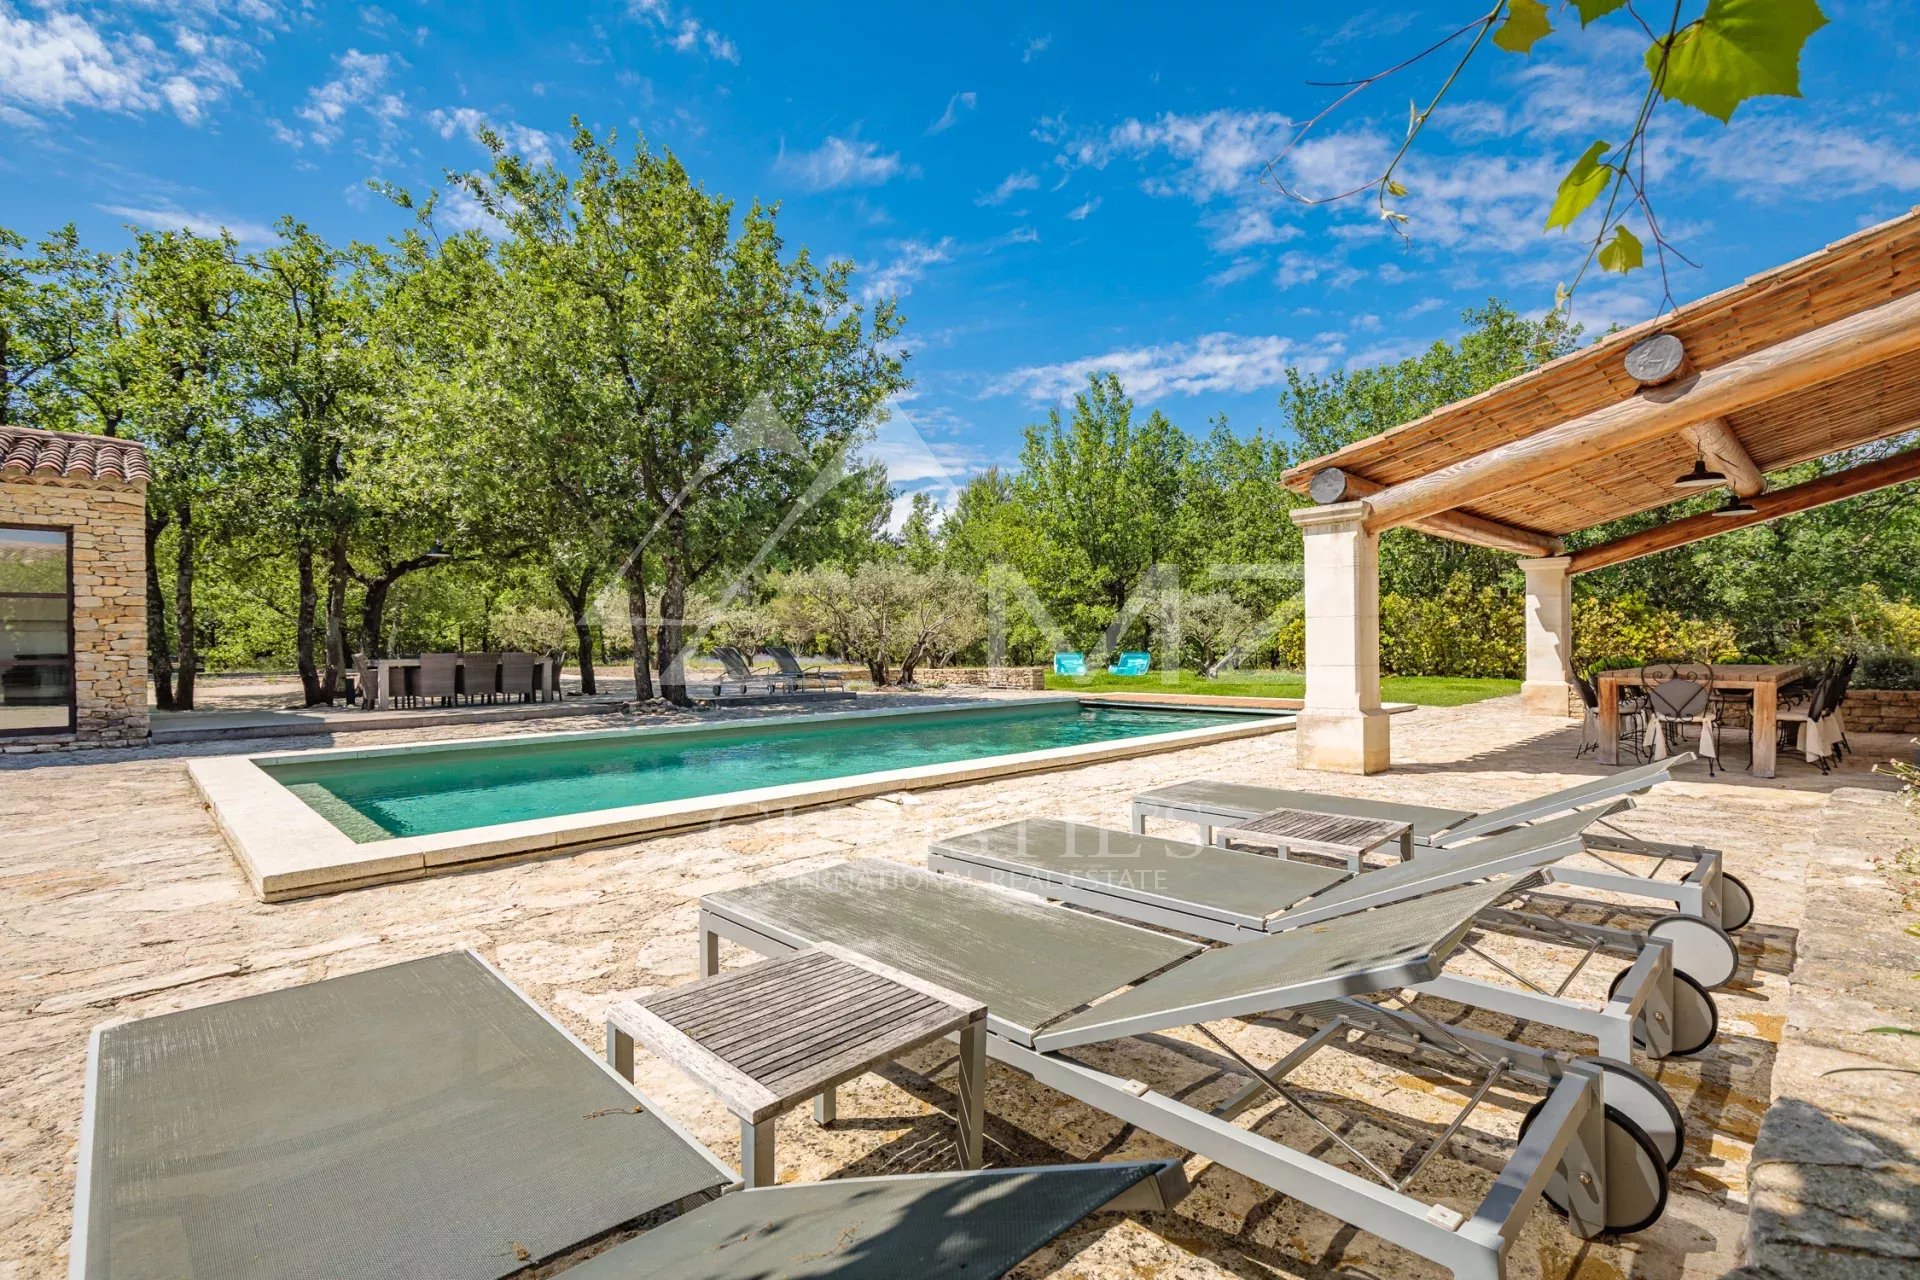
1026, 679
1883, 710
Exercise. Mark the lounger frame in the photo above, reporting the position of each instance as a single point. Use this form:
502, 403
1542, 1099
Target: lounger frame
1569, 1131
1697, 893
1641, 1005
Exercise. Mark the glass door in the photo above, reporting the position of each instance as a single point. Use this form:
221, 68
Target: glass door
36, 631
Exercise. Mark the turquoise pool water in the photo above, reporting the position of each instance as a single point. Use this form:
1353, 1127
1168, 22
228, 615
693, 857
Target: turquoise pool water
426, 792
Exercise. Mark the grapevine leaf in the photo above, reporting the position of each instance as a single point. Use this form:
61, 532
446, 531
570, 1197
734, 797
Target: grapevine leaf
1623, 252
1581, 187
1525, 26
1591, 10
1739, 49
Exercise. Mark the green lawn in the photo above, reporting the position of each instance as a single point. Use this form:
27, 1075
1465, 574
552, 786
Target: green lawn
1428, 691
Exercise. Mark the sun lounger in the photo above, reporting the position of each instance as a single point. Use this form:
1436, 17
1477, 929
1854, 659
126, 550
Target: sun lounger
1706, 891
1131, 663
1229, 895
1070, 664
1055, 979
790, 666
426, 1119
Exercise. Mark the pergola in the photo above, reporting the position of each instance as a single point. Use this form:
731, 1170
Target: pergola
1812, 358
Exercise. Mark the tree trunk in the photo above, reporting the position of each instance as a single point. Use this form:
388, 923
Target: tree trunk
303, 628
635, 576
877, 671
159, 648
185, 623
673, 630
338, 572
373, 612
576, 593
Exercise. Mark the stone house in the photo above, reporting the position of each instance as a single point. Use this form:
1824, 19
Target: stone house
73, 615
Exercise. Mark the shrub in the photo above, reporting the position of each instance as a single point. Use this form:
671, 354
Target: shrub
1635, 633
533, 629
1882, 667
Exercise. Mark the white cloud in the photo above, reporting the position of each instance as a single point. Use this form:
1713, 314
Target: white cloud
842, 162
359, 85
1035, 47
681, 33
534, 145
1081, 212
1009, 186
910, 263
1214, 363
459, 211
1825, 157
200, 224
1235, 271
1251, 224
1212, 154
957, 103
63, 60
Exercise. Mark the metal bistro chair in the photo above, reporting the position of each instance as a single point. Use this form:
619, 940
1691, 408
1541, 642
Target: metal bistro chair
1812, 718
1674, 702
517, 672
1632, 719
439, 679
1837, 704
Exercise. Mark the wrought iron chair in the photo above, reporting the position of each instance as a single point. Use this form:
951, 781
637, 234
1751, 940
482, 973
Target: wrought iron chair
1632, 718
1674, 702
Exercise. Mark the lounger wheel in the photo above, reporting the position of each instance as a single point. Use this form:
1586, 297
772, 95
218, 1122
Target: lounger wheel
1703, 951
1736, 903
1636, 1176
1628, 1089
1695, 1018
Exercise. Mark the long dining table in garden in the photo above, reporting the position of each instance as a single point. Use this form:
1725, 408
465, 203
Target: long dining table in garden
389, 677
1764, 679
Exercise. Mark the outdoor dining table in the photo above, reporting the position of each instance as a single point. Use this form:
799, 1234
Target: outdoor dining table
1764, 679
388, 680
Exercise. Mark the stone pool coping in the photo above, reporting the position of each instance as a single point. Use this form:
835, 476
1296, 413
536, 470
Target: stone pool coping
288, 850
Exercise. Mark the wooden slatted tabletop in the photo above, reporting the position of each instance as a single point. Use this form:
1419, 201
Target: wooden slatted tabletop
765, 1038
1341, 835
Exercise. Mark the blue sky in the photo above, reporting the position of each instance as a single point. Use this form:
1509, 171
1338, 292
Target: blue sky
1050, 190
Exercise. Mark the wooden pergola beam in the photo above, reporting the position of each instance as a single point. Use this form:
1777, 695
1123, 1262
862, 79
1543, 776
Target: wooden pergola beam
1722, 448
1854, 481
1834, 350
1333, 485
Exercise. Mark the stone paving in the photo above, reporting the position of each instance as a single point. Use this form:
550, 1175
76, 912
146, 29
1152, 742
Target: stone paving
119, 900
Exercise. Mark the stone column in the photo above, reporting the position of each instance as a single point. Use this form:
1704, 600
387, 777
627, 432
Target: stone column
1342, 728
1548, 689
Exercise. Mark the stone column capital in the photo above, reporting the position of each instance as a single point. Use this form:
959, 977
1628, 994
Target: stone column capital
1338, 515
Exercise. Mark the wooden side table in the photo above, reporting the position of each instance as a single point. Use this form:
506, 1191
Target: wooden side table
1287, 830
766, 1038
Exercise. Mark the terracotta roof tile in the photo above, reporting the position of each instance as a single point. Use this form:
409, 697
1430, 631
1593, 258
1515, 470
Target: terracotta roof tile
30, 454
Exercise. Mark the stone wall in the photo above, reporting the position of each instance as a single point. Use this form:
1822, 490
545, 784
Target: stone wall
110, 604
1026, 679
1883, 710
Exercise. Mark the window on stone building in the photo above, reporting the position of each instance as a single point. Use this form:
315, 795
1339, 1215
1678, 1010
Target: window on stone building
36, 630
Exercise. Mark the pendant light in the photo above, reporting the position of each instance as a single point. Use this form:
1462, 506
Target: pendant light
1735, 506
1701, 477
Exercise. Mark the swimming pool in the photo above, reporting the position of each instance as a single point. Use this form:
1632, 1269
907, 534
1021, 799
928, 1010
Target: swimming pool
313, 820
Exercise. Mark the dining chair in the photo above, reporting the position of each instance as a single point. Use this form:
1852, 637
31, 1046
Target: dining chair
1804, 727
517, 676
1632, 716
439, 679
480, 676
1674, 702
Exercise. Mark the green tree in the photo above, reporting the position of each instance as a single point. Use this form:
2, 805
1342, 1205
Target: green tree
738, 378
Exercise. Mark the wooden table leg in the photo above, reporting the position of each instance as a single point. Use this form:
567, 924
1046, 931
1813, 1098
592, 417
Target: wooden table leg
756, 1153
973, 1086
1765, 729
620, 1051
826, 1106
383, 686
1608, 750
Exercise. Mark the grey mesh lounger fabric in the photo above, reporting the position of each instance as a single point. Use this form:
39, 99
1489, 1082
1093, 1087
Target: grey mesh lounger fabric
426, 1120
1251, 891
422, 1119
950, 1226
1389, 947
1233, 801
